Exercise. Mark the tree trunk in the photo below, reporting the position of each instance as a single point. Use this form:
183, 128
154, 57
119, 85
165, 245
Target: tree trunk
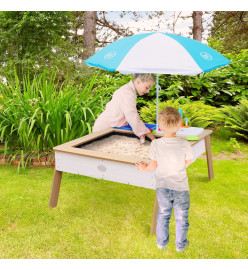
89, 36
197, 25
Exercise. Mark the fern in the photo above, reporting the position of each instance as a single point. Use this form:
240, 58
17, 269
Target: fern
236, 118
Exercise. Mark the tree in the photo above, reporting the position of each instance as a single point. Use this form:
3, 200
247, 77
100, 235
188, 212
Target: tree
230, 28
32, 41
175, 19
89, 36
97, 22
197, 25
94, 22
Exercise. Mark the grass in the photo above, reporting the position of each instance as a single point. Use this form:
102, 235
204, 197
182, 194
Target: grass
220, 140
101, 219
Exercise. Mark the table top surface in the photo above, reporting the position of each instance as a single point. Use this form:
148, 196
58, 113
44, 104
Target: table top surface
70, 147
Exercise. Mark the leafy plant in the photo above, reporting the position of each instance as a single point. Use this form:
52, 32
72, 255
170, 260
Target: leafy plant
236, 118
32, 41
44, 114
222, 86
233, 145
198, 113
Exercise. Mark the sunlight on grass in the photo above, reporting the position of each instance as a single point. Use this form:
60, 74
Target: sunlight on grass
101, 219
220, 141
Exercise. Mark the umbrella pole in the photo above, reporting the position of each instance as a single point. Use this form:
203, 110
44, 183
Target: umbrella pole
157, 91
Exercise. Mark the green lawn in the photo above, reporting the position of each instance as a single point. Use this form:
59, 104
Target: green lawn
101, 219
220, 145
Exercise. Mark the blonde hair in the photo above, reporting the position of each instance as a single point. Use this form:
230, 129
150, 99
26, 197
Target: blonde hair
144, 77
169, 120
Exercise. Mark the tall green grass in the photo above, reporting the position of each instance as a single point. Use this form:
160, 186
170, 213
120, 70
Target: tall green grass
40, 114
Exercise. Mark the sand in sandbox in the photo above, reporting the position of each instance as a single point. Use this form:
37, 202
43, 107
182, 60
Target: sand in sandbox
121, 145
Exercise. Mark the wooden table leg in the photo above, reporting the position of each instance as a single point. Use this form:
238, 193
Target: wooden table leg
154, 217
55, 188
209, 158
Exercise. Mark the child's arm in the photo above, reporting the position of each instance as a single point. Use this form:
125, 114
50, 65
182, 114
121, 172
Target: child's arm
151, 136
142, 166
189, 154
187, 162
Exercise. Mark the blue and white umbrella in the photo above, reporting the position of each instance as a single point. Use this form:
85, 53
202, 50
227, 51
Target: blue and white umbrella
157, 52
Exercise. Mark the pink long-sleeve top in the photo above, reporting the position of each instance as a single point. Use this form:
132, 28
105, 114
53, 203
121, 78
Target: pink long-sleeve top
120, 110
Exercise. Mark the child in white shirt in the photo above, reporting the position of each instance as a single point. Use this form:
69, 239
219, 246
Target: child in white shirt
169, 156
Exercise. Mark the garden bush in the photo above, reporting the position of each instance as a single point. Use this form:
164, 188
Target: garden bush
222, 86
198, 113
235, 118
42, 114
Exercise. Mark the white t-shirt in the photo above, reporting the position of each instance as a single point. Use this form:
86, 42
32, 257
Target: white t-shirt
170, 154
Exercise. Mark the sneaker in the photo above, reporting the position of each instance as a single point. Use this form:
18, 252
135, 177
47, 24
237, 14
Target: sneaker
182, 249
161, 247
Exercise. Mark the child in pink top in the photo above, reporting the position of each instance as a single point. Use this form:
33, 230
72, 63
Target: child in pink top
121, 109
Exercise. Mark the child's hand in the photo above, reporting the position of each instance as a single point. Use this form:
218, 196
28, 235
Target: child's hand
141, 166
142, 139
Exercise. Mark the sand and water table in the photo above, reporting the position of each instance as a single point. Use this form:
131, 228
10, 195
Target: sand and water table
111, 155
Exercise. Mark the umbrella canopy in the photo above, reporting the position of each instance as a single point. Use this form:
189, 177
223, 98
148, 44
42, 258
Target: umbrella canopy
157, 52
